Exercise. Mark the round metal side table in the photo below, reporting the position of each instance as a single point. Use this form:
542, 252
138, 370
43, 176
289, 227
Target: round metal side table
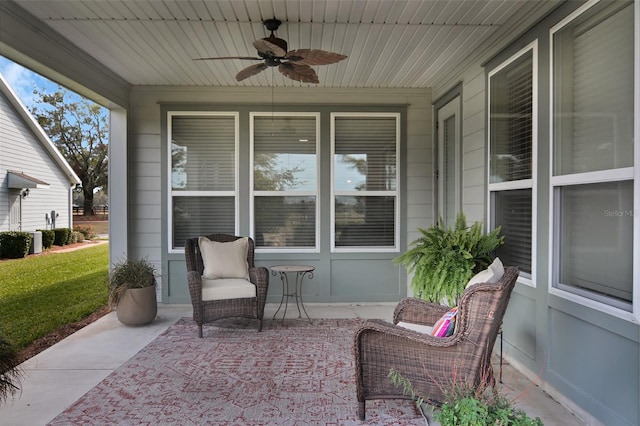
301, 272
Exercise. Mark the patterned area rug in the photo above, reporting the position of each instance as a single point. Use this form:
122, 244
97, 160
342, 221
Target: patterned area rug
295, 373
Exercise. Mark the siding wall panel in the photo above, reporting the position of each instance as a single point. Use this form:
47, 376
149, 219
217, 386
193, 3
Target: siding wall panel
145, 171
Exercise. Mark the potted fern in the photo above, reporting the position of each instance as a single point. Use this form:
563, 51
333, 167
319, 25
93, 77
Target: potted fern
443, 259
132, 291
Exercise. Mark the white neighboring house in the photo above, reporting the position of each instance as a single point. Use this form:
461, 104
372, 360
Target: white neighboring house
36, 182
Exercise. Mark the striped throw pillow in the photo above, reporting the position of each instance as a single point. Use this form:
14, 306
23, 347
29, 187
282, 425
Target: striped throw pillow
446, 324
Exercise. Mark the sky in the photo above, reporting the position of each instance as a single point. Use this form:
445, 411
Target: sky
24, 81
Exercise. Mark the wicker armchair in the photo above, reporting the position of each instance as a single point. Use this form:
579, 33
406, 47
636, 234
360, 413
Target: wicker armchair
432, 364
211, 310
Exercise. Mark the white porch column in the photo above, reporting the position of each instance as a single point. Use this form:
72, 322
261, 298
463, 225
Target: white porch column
118, 188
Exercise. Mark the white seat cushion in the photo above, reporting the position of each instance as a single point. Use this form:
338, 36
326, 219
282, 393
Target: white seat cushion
426, 329
227, 288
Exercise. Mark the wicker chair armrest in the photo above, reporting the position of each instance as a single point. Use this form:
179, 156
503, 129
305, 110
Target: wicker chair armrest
259, 275
194, 280
418, 311
381, 326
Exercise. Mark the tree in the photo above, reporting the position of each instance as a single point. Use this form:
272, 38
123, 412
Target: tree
268, 176
79, 130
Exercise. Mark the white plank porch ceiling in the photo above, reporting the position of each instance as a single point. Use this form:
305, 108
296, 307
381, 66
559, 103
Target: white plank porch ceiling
389, 43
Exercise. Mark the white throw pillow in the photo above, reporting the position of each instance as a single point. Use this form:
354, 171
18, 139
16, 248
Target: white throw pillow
224, 260
492, 274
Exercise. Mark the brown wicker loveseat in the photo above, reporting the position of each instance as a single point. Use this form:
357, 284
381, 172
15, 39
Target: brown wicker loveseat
432, 364
211, 310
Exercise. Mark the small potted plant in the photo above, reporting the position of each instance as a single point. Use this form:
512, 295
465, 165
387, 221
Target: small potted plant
443, 260
132, 291
467, 405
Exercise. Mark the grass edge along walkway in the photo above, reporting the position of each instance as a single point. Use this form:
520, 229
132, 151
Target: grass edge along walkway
39, 294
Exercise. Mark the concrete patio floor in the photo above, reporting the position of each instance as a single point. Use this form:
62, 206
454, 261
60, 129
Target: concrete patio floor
57, 377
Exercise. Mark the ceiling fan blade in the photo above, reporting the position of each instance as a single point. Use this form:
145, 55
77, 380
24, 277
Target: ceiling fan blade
251, 71
313, 57
298, 72
267, 48
248, 58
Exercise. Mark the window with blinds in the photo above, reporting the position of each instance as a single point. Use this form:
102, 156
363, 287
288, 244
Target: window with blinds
365, 181
285, 180
203, 175
511, 143
512, 211
593, 153
511, 121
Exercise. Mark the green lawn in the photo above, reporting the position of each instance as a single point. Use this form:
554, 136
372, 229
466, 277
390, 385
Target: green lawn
39, 294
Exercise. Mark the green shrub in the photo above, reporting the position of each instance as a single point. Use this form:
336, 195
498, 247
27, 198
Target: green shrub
467, 405
69, 235
62, 236
472, 410
78, 237
48, 236
14, 245
86, 230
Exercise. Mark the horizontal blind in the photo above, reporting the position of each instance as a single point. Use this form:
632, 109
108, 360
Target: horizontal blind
288, 135
368, 146
195, 216
203, 153
365, 221
520, 120
513, 213
512, 121
285, 157
285, 221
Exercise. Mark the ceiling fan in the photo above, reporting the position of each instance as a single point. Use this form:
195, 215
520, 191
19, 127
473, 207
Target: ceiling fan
294, 64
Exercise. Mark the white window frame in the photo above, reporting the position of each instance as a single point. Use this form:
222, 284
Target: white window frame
523, 183
253, 192
396, 193
603, 176
171, 193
